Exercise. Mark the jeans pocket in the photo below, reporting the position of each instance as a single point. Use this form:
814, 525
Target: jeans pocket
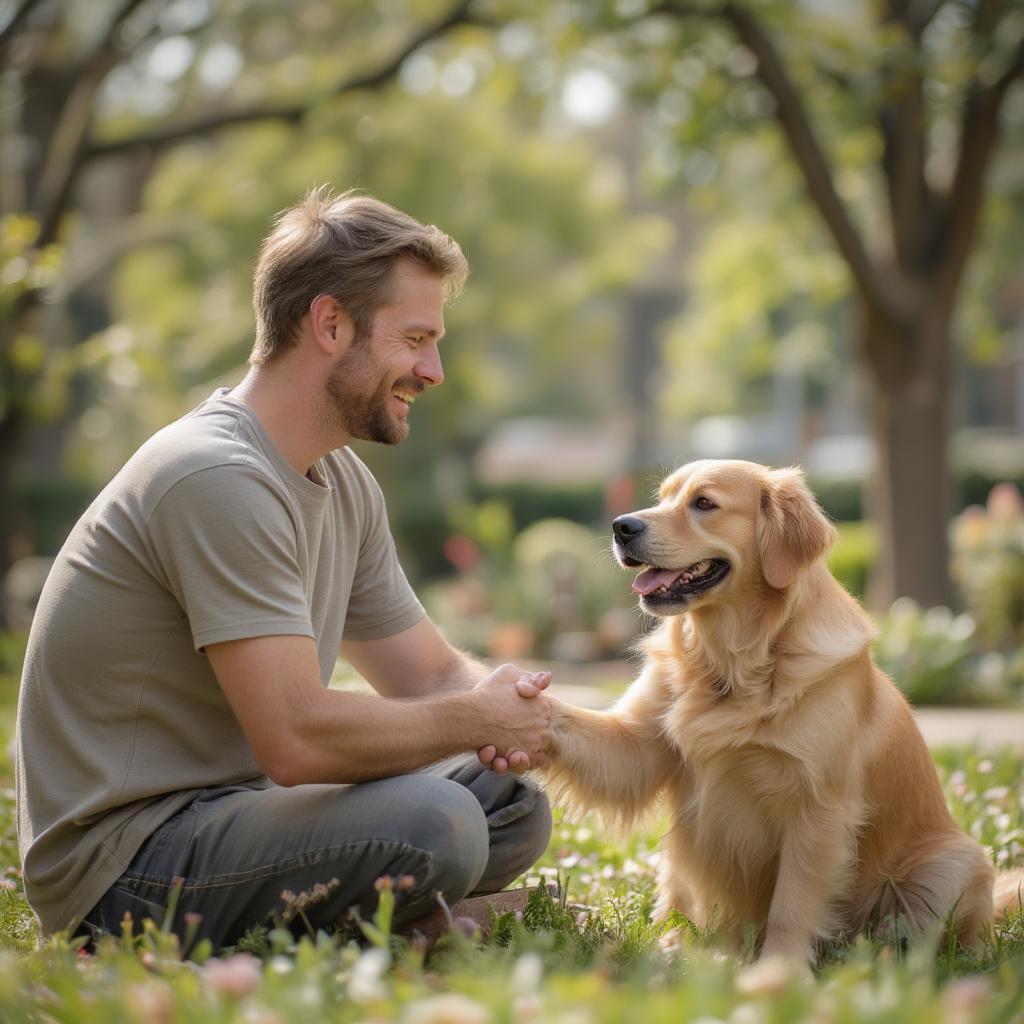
160, 856
120, 899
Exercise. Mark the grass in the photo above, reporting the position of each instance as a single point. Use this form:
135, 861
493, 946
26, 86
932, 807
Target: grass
554, 965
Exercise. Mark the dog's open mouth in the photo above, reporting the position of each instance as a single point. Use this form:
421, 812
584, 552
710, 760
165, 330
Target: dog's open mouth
654, 585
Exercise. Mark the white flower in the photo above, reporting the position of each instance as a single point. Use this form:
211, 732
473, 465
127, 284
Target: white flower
254, 1014
747, 1013
364, 981
450, 1008
281, 965
768, 977
527, 974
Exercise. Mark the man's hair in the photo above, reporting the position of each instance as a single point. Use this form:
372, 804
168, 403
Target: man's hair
343, 246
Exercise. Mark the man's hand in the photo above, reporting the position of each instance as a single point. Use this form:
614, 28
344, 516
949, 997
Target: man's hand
527, 686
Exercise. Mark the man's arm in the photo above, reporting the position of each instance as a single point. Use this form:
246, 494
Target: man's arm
301, 732
419, 662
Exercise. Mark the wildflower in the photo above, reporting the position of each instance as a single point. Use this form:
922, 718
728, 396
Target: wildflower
527, 974
963, 999
299, 903
527, 1008
151, 1002
1005, 502
768, 977
281, 965
468, 926
747, 1013
383, 884
364, 980
8, 884
404, 883
261, 1015
450, 1008
237, 976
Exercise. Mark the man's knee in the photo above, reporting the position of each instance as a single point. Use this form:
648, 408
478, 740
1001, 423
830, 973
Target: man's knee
449, 826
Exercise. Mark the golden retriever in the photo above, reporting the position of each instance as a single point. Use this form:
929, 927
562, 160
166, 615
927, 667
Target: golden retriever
803, 801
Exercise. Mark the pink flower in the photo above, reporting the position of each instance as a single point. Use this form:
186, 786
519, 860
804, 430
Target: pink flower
237, 976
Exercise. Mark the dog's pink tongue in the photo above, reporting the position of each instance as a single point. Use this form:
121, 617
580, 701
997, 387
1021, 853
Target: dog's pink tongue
651, 579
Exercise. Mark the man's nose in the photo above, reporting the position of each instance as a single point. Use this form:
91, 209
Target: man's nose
428, 367
626, 528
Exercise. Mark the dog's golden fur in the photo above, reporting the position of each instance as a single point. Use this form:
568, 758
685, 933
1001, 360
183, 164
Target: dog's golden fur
803, 800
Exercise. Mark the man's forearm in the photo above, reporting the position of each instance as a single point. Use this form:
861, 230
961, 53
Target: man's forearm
462, 673
351, 737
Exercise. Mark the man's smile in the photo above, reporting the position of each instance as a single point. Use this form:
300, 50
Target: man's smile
407, 397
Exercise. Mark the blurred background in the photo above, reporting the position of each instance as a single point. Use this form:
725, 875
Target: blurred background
781, 231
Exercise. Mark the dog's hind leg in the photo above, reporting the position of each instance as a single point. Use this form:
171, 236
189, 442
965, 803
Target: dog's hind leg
950, 883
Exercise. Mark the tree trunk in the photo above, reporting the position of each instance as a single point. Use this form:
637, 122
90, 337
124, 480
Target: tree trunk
911, 493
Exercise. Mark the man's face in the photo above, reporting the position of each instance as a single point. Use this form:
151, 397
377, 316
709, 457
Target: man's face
373, 384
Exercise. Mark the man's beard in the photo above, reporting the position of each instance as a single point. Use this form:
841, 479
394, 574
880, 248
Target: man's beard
360, 411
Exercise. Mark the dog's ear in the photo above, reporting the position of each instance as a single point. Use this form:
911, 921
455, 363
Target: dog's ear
792, 531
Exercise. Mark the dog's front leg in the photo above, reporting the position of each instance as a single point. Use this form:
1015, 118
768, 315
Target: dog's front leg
816, 860
616, 761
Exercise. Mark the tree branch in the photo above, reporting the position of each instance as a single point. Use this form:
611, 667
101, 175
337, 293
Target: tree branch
10, 30
68, 145
207, 122
979, 133
902, 122
803, 145
922, 14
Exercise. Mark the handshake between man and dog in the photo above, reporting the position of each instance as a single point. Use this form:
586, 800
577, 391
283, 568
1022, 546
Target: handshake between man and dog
803, 799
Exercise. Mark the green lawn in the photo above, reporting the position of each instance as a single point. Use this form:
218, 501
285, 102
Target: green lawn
555, 966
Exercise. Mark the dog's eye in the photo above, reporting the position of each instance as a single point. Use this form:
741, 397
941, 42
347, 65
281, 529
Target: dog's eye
703, 504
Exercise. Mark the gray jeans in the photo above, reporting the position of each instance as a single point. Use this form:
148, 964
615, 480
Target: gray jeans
456, 828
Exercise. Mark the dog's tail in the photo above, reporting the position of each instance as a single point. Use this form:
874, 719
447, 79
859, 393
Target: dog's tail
1008, 894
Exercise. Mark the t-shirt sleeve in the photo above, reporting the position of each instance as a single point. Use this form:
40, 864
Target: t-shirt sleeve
227, 545
382, 602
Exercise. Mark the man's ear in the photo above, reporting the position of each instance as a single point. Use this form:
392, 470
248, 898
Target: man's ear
331, 326
792, 531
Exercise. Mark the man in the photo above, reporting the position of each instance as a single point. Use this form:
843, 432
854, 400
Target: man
177, 744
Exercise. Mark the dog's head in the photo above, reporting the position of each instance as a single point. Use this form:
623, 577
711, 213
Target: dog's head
718, 527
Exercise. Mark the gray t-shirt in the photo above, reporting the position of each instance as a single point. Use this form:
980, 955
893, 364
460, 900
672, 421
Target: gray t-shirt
206, 535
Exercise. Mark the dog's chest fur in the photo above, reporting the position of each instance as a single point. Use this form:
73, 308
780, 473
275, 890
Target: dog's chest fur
754, 761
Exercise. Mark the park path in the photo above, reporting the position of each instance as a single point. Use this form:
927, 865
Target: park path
593, 686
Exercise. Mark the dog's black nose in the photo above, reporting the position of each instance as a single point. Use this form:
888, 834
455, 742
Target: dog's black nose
626, 528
